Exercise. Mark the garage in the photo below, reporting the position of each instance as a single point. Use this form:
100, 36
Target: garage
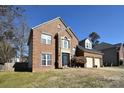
93, 57
97, 62
89, 63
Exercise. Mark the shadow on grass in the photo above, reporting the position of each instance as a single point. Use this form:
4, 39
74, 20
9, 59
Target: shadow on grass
21, 67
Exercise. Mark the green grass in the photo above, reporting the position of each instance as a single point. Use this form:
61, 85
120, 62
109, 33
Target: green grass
62, 78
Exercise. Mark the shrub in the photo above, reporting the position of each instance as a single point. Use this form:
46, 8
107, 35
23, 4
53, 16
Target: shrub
78, 61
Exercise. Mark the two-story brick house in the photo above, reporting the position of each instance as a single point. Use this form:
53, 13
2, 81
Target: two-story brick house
52, 44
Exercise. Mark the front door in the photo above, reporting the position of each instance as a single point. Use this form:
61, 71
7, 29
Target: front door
65, 59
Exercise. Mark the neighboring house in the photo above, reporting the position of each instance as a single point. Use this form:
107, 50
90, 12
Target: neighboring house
51, 45
113, 53
93, 57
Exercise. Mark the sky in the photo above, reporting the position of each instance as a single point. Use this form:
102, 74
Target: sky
107, 21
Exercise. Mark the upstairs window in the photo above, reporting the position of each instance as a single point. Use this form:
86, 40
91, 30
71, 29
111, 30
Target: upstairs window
46, 39
66, 43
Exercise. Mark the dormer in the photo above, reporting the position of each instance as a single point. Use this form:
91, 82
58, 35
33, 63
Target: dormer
86, 43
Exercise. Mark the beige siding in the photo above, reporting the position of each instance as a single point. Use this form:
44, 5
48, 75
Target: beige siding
92, 55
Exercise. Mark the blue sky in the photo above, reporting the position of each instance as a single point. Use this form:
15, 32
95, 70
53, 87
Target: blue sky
107, 21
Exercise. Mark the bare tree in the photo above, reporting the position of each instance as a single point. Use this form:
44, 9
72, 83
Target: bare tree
13, 28
6, 52
9, 17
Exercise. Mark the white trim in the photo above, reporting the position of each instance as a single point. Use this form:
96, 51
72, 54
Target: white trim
46, 22
88, 44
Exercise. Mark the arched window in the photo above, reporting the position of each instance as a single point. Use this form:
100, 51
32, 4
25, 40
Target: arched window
66, 43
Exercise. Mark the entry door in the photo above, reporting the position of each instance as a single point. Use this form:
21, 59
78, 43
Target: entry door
65, 59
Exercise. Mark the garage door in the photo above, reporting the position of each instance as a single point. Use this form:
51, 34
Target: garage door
97, 62
89, 63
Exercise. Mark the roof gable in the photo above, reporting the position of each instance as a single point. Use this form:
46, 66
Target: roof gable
84, 42
68, 29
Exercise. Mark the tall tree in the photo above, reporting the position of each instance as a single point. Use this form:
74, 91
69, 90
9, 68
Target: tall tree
94, 38
13, 28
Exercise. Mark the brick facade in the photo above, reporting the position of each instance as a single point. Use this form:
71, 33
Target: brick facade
36, 47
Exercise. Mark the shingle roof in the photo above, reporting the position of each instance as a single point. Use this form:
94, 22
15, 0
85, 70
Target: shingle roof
117, 45
104, 45
89, 50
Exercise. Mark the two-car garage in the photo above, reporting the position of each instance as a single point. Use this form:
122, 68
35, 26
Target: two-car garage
91, 62
93, 58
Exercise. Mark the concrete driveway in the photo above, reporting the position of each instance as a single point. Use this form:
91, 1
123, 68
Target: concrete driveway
121, 68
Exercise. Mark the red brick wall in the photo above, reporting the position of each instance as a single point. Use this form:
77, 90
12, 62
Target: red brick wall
38, 47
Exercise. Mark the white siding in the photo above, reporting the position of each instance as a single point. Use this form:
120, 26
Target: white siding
88, 44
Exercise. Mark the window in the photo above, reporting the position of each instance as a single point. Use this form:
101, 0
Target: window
46, 59
66, 43
46, 39
87, 45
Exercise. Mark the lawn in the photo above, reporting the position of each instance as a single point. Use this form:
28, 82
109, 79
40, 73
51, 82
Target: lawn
63, 78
